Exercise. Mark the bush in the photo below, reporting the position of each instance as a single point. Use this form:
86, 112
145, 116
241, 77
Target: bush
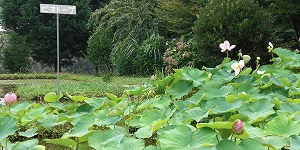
242, 22
130, 22
99, 49
16, 54
177, 55
149, 55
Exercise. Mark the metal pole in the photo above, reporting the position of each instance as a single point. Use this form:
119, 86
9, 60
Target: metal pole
57, 33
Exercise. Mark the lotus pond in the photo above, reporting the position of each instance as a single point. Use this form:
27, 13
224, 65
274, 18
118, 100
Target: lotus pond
190, 109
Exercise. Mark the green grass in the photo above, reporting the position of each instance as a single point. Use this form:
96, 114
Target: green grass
73, 84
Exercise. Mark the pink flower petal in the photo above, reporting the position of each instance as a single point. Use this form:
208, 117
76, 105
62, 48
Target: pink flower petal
231, 47
226, 45
222, 46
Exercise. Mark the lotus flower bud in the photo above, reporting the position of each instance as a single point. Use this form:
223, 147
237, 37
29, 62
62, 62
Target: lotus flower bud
246, 58
238, 127
10, 98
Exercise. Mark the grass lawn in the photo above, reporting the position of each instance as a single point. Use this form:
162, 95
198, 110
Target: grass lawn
73, 84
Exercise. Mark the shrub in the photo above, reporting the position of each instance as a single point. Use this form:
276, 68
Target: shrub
177, 54
149, 55
242, 22
130, 22
16, 54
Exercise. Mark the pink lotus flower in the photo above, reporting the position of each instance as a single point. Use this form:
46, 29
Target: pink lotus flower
237, 67
238, 127
226, 46
10, 98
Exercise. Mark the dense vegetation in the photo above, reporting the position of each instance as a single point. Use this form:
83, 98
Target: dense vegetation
213, 108
141, 37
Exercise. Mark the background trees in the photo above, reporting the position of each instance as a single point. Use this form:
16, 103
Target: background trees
39, 30
131, 36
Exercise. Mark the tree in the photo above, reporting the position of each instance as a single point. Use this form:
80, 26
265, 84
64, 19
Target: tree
242, 22
16, 54
286, 25
178, 16
130, 22
39, 30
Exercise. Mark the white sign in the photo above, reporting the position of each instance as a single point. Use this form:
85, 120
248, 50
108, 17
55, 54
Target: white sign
57, 9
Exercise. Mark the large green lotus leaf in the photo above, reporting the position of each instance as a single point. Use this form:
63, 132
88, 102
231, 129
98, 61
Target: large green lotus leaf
295, 142
39, 147
163, 84
98, 139
197, 113
251, 144
196, 98
19, 107
78, 98
29, 133
28, 145
162, 103
6, 143
144, 132
125, 144
63, 142
180, 118
136, 91
213, 92
246, 87
146, 104
96, 102
56, 105
80, 126
180, 88
8, 126
149, 117
257, 111
101, 118
294, 92
133, 121
52, 97
253, 132
182, 137
48, 121
84, 109
220, 105
113, 97
216, 125
223, 75
282, 126
33, 115
119, 109
289, 107
274, 142
227, 145
182, 104
198, 77
151, 147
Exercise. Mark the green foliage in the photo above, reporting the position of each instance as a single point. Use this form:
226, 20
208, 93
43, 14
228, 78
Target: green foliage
99, 48
16, 54
241, 22
286, 27
149, 56
178, 54
177, 16
197, 110
130, 22
39, 30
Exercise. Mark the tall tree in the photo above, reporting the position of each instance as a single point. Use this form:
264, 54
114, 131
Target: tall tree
39, 30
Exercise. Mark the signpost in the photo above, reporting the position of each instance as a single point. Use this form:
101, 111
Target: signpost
57, 9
